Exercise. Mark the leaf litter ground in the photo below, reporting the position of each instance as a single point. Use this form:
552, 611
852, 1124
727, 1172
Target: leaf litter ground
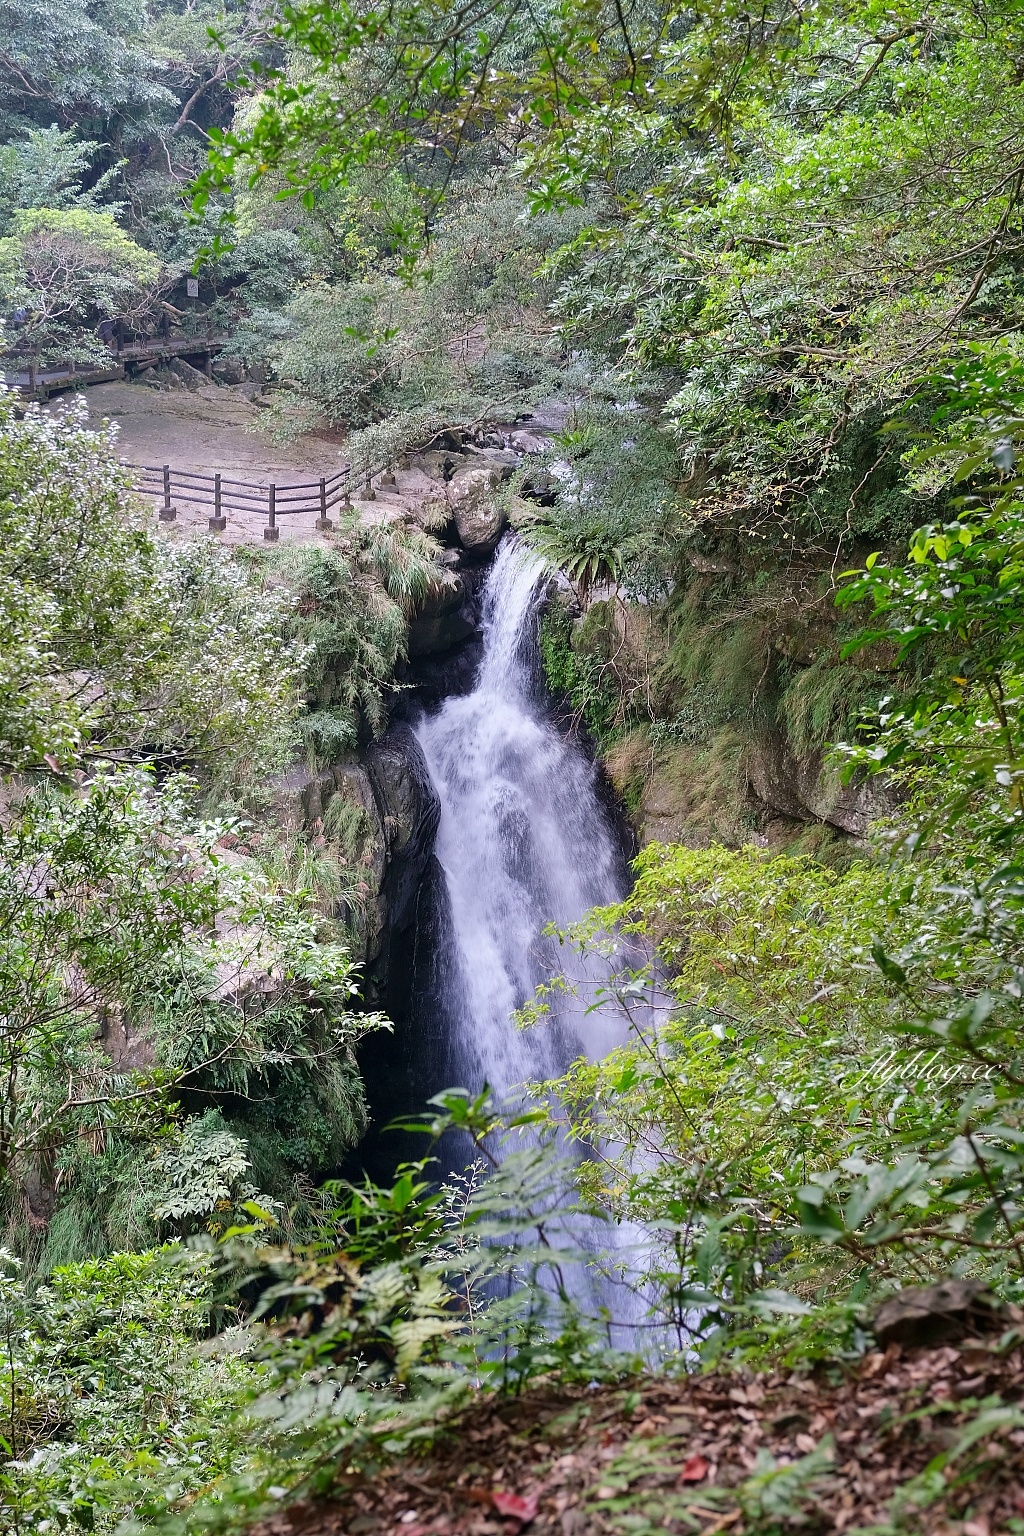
925, 1440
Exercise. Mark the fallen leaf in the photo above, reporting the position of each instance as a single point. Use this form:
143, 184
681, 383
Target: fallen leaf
722, 1522
648, 1429
694, 1470
516, 1508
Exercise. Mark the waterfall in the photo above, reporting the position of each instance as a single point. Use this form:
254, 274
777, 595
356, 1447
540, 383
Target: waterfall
522, 841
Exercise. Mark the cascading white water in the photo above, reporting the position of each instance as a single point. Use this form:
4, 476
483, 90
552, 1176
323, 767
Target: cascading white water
522, 841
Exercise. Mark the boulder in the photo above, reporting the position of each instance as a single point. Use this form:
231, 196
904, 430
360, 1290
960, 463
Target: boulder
528, 442
804, 789
479, 520
503, 459
229, 370
437, 464
166, 379
190, 377
945, 1313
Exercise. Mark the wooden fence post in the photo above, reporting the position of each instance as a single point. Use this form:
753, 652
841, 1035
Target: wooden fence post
323, 522
168, 512
32, 376
272, 532
218, 522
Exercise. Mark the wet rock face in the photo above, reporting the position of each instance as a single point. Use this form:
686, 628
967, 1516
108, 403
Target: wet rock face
804, 789
410, 811
304, 801
391, 812
441, 621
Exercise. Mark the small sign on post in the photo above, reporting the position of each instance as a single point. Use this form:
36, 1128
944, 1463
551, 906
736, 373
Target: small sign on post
192, 287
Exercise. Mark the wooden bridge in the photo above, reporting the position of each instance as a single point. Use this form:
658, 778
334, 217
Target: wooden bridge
39, 383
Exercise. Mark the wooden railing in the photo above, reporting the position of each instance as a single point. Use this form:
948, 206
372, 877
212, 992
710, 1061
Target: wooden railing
223, 496
35, 378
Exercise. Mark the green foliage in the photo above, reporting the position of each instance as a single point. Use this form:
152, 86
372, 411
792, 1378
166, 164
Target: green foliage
824, 699
149, 962
109, 1404
577, 668
82, 59
613, 507
747, 247
352, 603
410, 1297
117, 641
957, 605
124, 982
116, 94
466, 341
768, 1046
765, 236
69, 268
204, 1175
44, 169
834, 1093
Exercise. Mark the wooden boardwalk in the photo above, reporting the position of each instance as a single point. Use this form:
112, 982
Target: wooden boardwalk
130, 357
